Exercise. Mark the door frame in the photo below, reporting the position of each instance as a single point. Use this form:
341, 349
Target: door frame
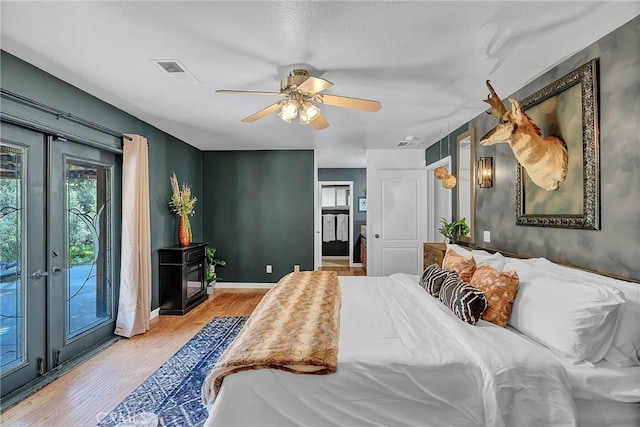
318, 221
432, 221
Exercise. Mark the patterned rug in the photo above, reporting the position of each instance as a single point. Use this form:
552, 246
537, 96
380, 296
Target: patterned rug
173, 391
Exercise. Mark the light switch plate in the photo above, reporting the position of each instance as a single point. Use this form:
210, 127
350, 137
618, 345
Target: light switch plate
486, 236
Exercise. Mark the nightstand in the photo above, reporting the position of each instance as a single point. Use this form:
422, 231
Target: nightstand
433, 253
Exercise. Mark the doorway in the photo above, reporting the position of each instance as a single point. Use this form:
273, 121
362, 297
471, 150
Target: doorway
56, 256
439, 199
335, 216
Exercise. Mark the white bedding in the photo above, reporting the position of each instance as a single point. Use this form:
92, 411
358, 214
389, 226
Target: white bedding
405, 359
605, 381
601, 381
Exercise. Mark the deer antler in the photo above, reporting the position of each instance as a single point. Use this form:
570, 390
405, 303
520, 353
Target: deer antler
497, 107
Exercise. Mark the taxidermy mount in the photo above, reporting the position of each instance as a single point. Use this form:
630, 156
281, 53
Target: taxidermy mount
544, 159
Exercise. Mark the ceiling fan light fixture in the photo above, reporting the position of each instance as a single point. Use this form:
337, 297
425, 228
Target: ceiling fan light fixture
312, 111
288, 112
301, 92
308, 113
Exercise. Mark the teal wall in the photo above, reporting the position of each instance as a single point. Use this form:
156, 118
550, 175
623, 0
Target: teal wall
258, 210
167, 154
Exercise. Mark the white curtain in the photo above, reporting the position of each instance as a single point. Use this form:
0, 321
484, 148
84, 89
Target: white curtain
135, 270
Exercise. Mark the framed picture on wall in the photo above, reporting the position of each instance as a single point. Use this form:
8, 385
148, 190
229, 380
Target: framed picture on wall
569, 108
362, 204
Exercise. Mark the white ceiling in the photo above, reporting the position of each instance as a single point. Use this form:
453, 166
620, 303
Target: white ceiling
426, 62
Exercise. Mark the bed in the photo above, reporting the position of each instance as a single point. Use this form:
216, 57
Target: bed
405, 358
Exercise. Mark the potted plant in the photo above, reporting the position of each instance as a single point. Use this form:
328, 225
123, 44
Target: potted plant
450, 229
212, 261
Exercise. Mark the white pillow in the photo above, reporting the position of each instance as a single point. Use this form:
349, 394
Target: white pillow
459, 250
574, 319
495, 260
625, 348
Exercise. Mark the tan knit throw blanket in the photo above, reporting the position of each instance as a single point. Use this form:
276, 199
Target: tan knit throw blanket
295, 328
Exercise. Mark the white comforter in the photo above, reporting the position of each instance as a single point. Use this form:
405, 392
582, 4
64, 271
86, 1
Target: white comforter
405, 359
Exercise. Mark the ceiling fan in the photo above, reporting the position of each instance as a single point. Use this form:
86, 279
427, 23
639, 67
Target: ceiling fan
301, 92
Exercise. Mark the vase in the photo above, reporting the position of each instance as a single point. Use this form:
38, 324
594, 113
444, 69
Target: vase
184, 234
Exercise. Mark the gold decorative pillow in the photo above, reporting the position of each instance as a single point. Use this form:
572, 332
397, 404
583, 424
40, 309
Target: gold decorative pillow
500, 288
463, 266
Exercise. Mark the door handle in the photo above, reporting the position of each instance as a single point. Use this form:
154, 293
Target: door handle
38, 274
376, 236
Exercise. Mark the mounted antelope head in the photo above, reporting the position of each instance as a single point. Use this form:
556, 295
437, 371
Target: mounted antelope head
544, 159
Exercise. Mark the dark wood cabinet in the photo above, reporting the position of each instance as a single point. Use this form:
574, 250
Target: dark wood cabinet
433, 253
183, 278
363, 252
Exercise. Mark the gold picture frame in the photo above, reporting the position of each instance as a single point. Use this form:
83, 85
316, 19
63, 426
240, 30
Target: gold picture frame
567, 108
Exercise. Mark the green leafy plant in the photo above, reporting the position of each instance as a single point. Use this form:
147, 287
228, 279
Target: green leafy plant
181, 201
449, 228
212, 261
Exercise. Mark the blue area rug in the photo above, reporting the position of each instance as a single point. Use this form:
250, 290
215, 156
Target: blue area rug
173, 392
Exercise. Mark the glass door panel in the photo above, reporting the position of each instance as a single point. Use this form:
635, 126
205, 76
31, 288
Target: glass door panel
23, 269
88, 219
12, 291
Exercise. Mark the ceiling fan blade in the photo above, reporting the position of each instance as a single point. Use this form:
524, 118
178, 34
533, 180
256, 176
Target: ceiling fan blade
260, 114
248, 92
314, 85
346, 102
320, 122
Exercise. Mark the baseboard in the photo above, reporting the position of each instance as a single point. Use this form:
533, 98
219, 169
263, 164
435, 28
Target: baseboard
154, 313
239, 285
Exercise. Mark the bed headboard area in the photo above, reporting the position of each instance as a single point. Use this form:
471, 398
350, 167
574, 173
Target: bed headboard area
566, 264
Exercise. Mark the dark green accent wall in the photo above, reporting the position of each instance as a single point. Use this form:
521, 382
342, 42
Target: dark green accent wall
443, 148
167, 154
258, 210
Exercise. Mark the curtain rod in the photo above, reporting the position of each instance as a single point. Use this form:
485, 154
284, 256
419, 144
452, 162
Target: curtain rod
61, 114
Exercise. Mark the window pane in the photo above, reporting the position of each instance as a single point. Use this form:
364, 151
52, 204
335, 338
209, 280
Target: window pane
89, 264
12, 293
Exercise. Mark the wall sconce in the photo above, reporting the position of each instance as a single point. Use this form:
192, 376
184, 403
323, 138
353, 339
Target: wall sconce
485, 172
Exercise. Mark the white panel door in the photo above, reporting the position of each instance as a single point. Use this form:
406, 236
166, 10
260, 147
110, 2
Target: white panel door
397, 221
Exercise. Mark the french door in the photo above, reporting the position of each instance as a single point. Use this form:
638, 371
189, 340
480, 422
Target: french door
56, 255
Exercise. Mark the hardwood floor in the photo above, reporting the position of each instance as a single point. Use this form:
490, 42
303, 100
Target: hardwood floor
89, 391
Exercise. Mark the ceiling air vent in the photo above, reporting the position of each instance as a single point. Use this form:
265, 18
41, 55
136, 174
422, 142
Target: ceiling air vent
408, 141
175, 70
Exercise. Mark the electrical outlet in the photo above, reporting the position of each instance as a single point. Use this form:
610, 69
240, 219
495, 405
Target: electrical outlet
269, 269
296, 268
486, 236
